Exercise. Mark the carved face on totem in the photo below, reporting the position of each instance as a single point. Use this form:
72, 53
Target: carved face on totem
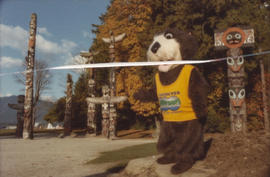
238, 122
235, 63
237, 97
234, 37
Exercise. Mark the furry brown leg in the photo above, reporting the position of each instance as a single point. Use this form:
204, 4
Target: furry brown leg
183, 165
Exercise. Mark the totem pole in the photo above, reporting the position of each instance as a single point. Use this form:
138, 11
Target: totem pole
105, 112
108, 100
28, 104
91, 119
112, 40
20, 110
233, 39
68, 110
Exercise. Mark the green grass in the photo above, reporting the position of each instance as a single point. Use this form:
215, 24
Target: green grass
9, 132
126, 154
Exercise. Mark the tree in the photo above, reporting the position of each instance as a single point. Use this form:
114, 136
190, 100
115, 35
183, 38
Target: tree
42, 79
140, 20
127, 17
79, 102
57, 111
202, 18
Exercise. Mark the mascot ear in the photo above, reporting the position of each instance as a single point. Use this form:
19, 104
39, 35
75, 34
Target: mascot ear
189, 45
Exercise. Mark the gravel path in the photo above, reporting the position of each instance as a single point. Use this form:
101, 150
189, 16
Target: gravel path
56, 157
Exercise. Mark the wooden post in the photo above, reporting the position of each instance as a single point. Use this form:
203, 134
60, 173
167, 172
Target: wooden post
265, 106
68, 110
28, 104
20, 110
112, 107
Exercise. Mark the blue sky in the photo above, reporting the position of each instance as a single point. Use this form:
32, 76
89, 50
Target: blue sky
64, 29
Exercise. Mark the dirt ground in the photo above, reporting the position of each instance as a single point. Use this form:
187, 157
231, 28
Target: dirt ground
231, 155
50, 156
237, 155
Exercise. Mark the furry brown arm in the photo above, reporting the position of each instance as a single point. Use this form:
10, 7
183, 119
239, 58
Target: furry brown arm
198, 90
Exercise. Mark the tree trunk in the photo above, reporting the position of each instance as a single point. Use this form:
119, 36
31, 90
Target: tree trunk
28, 104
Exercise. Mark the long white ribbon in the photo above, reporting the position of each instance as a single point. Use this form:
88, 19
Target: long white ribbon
132, 64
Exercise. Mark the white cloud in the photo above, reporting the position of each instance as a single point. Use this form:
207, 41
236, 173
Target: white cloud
87, 34
16, 37
43, 30
5, 95
48, 98
13, 37
67, 46
8, 62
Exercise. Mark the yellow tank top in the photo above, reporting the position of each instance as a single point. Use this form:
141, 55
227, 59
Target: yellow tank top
175, 103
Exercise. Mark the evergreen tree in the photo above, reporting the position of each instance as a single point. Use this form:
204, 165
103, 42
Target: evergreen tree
57, 112
79, 102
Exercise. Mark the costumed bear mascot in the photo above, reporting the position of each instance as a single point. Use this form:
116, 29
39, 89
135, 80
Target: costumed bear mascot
182, 93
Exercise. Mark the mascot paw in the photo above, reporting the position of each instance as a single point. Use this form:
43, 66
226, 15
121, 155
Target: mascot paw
180, 167
165, 160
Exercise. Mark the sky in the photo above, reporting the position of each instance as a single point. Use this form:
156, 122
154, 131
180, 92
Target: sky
64, 29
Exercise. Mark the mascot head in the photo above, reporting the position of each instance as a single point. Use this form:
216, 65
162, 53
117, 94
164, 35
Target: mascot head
170, 45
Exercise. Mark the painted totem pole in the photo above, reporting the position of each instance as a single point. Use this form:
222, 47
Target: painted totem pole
105, 112
68, 110
28, 103
91, 118
232, 40
112, 108
108, 100
20, 110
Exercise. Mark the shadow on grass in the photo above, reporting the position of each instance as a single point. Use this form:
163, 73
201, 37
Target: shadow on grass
115, 169
126, 154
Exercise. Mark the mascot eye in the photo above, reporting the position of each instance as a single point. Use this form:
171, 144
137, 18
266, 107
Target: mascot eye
169, 35
230, 61
240, 60
241, 94
238, 36
232, 95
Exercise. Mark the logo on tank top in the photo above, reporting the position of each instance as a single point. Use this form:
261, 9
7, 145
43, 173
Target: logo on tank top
172, 103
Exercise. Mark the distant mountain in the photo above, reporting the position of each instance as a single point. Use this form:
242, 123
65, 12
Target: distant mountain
9, 116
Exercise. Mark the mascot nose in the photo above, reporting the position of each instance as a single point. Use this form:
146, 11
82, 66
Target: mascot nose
155, 47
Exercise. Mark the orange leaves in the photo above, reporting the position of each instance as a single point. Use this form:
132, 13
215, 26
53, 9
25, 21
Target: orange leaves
128, 17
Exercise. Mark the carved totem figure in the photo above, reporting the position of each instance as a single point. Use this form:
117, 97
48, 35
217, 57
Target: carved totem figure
236, 78
28, 104
91, 111
234, 39
68, 110
111, 40
20, 111
105, 112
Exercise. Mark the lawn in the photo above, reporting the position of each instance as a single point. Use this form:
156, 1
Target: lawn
126, 154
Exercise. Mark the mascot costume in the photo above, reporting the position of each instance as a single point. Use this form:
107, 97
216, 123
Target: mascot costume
182, 93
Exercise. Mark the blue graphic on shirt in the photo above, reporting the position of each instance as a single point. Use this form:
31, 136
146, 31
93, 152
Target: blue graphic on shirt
171, 103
